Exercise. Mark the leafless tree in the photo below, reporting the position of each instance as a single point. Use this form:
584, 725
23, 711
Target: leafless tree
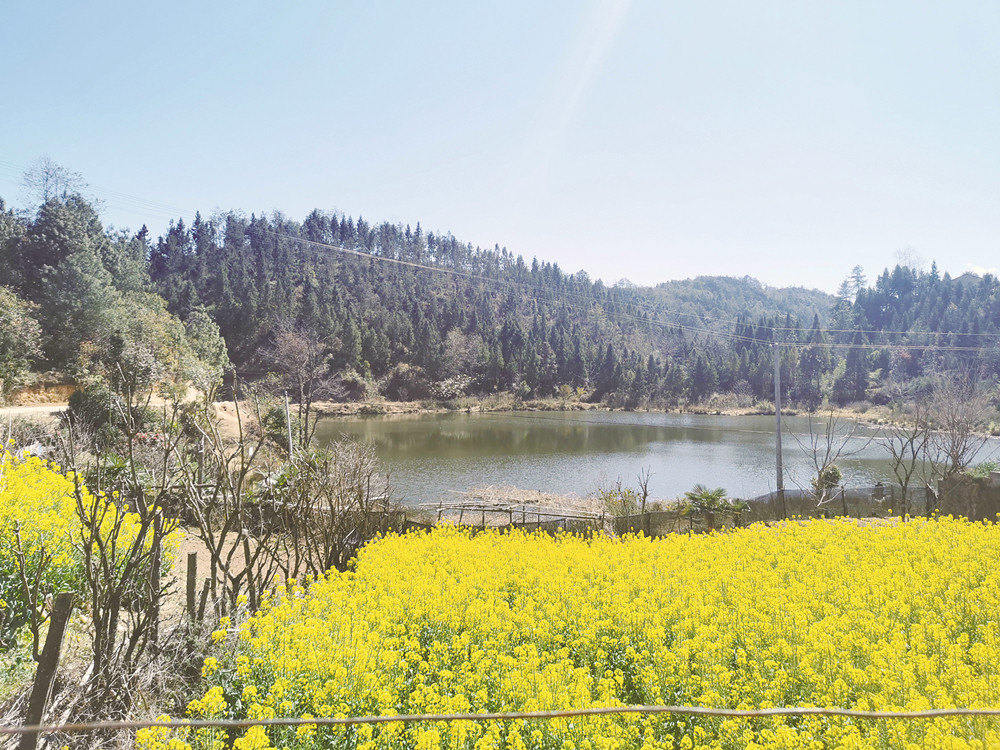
121, 560
301, 360
907, 441
31, 574
121, 539
45, 179
220, 495
827, 442
330, 502
310, 513
959, 411
643, 481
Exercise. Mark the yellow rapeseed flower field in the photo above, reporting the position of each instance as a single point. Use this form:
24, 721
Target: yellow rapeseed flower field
820, 613
38, 502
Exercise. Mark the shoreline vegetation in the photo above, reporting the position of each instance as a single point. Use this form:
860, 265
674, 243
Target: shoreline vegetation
506, 403
33, 403
865, 414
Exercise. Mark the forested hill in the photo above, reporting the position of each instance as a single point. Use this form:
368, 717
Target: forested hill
714, 298
396, 311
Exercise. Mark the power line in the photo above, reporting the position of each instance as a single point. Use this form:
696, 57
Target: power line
621, 316
116, 197
885, 331
489, 279
879, 347
647, 305
625, 316
166, 209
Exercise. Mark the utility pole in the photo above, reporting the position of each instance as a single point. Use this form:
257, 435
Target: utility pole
777, 426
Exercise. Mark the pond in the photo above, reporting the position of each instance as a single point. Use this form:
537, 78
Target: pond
430, 456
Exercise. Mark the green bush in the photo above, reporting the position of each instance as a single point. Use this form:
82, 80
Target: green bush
983, 470
102, 412
407, 383
828, 479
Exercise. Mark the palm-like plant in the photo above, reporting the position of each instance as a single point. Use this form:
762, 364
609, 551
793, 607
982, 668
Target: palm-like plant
702, 499
709, 502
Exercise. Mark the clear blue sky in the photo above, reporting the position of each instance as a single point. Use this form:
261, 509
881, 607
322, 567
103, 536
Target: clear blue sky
650, 140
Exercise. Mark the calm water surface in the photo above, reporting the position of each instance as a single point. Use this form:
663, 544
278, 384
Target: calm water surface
576, 452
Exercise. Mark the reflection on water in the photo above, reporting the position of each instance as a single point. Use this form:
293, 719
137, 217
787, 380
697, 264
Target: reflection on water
429, 456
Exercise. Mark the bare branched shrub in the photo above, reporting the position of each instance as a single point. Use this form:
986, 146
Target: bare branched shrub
222, 497
907, 441
642, 480
959, 413
331, 502
621, 500
309, 515
743, 392
123, 534
828, 442
301, 360
121, 559
31, 573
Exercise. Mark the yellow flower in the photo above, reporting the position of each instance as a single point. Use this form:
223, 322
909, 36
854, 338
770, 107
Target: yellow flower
210, 667
44, 510
254, 739
812, 613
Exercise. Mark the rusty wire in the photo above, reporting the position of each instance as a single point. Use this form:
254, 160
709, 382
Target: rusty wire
512, 716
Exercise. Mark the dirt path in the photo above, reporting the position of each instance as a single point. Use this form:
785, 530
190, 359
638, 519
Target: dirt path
36, 411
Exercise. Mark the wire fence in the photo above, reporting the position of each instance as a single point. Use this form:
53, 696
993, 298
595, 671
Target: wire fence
873, 501
761, 713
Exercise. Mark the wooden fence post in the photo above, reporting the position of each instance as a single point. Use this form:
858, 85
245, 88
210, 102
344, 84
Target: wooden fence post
203, 601
192, 583
45, 676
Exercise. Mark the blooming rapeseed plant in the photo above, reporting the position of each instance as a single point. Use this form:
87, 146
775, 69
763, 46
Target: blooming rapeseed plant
38, 501
820, 613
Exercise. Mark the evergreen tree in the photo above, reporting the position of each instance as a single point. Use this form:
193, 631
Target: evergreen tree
703, 379
852, 384
814, 362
